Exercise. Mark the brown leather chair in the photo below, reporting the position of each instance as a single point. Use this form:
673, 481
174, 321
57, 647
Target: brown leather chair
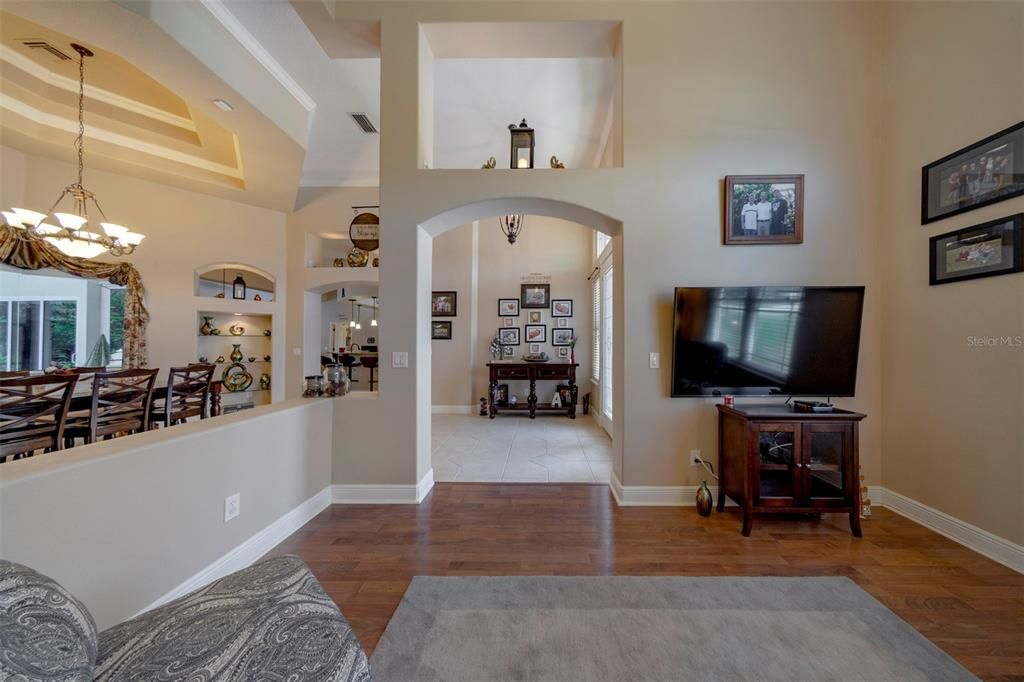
120, 403
33, 412
188, 395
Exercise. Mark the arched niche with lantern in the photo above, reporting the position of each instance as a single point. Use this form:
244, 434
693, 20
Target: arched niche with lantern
234, 282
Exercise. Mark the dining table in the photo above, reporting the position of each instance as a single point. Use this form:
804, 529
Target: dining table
81, 397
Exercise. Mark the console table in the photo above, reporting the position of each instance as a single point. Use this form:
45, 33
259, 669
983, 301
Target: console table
533, 372
772, 458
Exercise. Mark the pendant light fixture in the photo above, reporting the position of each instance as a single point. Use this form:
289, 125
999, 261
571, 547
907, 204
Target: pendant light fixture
511, 226
359, 317
77, 236
352, 317
373, 322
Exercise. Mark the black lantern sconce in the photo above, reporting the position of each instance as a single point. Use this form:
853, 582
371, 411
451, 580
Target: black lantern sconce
522, 145
238, 288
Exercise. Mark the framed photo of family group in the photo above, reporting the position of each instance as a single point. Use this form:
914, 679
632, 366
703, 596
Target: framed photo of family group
764, 209
978, 175
985, 250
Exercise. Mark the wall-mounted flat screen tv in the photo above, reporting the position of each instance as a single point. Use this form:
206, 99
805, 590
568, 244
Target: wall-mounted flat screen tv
761, 341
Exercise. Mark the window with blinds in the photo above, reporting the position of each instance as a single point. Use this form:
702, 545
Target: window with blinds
595, 332
606, 342
772, 333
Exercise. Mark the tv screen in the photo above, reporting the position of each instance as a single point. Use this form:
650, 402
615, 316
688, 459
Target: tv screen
782, 341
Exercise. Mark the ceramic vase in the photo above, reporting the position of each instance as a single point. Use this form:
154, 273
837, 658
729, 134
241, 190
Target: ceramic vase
207, 328
236, 353
704, 501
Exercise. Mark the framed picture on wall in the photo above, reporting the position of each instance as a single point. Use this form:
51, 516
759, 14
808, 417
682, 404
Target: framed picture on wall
563, 322
509, 322
561, 307
764, 209
534, 317
534, 347
508, 336
562, 337
985, 250
443, 303
979, 174
563, 352
507, 352
441, 331
508, 307
535, 295
536, 333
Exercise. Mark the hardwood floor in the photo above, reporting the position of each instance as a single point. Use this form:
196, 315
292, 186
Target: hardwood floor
365, 556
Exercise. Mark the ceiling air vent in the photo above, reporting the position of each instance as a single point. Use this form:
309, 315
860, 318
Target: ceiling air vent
363, 121
46, 47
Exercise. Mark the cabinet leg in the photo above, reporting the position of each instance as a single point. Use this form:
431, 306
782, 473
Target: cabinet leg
721, 497
491, 411
532, 400
748, 522
572, 399
855, 524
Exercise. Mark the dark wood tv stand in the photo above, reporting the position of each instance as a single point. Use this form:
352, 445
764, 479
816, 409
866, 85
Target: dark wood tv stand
774, 459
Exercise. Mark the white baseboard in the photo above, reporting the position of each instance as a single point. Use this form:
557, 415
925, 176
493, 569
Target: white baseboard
248, 552
383, 494
454, 409
987, 544
658, 495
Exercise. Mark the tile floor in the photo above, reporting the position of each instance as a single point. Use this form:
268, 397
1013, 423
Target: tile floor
516, 449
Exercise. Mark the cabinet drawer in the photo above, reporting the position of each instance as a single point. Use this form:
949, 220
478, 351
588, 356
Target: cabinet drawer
512, 372
553, 373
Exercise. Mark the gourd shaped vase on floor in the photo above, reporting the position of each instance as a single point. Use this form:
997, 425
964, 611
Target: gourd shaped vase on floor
236, 354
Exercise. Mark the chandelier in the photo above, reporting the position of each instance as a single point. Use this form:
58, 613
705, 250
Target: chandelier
511, 226
74, 236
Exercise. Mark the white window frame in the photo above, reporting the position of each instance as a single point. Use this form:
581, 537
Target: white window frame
79, 322
602, 328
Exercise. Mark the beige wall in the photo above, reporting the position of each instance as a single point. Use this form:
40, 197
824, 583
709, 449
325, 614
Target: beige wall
184, 231
953, 433
120, 523
549, 248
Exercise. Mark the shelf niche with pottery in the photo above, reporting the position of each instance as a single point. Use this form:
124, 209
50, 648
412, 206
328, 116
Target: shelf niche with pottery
241, 346
234, 282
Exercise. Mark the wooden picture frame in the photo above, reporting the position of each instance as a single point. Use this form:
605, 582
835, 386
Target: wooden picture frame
535, 295
444, 303
561, 307
988, 249
508, 307
509, 336
983, 173
441, 330
540, 332
763, 209
562, 336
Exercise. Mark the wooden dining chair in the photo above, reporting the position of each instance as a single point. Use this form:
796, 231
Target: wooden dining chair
32, 413
14, 374
121, 402
87, 370
188, 395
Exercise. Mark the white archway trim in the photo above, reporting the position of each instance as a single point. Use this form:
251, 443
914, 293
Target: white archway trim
552, 208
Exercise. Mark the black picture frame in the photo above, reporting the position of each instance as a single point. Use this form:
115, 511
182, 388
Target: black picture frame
950, 178
562, 332
507, 352
543, 329
501, 395
507, 332
555, 305
508, 301
569, 395
528, 300
436, 296
437, 330
1010, 233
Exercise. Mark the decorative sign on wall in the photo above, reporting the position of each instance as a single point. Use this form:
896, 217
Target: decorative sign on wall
365, 231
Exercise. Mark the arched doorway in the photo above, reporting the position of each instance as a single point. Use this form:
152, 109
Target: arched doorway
484, 212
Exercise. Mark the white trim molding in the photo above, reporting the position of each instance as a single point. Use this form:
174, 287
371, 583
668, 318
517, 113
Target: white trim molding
987, 544
384, 493
454, 409
219, 10
977, 539
252, 549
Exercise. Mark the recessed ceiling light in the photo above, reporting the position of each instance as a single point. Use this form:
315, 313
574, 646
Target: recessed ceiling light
223, 105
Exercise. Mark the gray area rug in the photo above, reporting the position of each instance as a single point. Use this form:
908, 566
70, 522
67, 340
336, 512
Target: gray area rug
651, 628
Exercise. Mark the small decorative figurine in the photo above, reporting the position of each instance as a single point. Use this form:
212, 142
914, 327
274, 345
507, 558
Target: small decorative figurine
236, 330
252, 358
266, 358
490, 164
483, 407
264, 381
257, 297
203, 359
266, 332
207, 328
220, 295
220, 358
339, 262
555, 163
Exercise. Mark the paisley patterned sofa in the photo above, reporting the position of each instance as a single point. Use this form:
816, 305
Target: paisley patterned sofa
271, 621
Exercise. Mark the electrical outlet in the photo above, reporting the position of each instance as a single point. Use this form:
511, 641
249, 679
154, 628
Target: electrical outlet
655, 360
232, 506
695, 458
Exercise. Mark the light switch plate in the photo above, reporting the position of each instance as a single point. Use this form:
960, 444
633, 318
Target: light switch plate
399, 359
296, 351
232, 506
655, 360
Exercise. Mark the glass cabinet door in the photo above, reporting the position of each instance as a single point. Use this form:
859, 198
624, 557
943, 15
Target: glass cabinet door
827, 449
778, 455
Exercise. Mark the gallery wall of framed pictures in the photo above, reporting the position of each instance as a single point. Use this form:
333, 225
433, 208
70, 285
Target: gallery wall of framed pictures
527, 320
983, 173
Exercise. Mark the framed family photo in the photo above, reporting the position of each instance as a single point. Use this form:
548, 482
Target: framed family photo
536, 333
764, 209
534, 317
980, 174
441, 331
535, 295
561, 307
508, 336
508, 307
443, 303
985, 250
507, 352
561, 337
